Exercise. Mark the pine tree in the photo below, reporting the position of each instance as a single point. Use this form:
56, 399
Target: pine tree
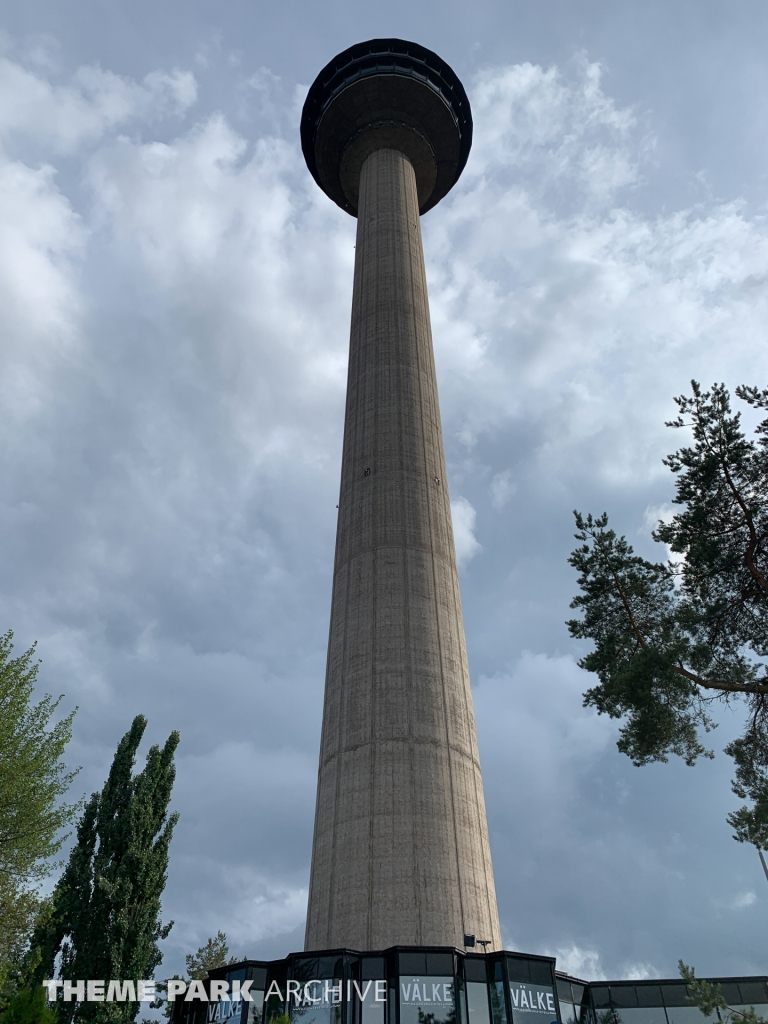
105, 910
215, 953
672, 637
710, 999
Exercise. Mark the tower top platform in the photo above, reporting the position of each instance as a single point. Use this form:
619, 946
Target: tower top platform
386, 93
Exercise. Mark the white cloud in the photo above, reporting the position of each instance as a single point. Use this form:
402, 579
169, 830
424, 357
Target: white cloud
467, 545
579, 963
40, 303
62, 118
567, 134
655, 514
179, 328
639, 972
502, 488
744, 900
534, 727
583, 318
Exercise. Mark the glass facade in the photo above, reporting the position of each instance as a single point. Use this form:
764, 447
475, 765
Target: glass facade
315, 990
531, 990
651, 1002
443, 986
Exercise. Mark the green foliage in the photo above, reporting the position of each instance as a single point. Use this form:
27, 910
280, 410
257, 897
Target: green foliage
609, 1016
280, 1018
33, 778
29, 1006
672, 637
709, 998
161, 1001
432, 1018
105, 909
750, 752
215, 953
18, 910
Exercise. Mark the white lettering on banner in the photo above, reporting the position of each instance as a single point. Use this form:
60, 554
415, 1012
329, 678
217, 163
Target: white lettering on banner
308, 997
335, 993
362, 995
533, 998
329, 992
292, 988
78, 991
221, 1011
146, 991
95, 991
422, 993
242, 989
311, 993
175, 987
121, 992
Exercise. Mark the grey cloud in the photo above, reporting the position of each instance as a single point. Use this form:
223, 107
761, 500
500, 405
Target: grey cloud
173, 363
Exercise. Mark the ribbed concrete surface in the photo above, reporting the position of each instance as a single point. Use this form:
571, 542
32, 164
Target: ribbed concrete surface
400, 851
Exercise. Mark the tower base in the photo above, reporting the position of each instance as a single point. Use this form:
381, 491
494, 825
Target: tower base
440, 985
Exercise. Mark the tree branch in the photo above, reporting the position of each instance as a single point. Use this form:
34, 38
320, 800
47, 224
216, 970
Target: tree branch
758, 687
749, 554
754, 572
635, 628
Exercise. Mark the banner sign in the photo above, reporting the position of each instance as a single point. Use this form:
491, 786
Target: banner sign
532, 999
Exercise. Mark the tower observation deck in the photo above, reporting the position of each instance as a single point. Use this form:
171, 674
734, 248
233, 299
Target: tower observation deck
401, 891
400, 853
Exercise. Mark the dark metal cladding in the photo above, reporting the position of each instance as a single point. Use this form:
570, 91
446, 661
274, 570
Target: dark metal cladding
403, 92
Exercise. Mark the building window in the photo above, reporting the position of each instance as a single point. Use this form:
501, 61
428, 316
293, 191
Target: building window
531, 991
427, 999
315, 993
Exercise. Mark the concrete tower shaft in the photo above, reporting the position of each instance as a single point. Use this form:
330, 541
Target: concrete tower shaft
400, 853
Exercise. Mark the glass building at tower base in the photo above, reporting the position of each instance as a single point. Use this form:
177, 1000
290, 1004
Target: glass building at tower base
439, 985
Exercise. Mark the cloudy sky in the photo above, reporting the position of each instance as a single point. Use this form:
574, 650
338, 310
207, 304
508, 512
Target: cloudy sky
174, 307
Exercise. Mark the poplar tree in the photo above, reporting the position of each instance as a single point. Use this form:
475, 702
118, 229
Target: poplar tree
673, 637
105, 920
33, 778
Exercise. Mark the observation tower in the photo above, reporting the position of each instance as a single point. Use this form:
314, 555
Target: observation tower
400, 853
401, 892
